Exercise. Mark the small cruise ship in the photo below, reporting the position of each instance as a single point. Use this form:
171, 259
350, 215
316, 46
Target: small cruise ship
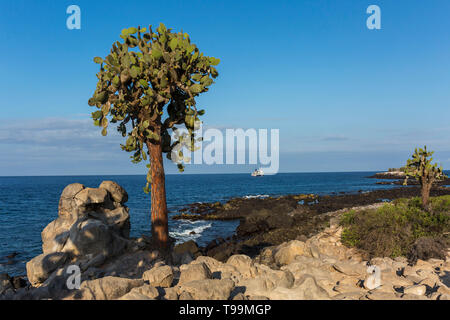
258, 173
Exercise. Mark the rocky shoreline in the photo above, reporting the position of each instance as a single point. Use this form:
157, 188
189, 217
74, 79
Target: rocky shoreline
389, 175
285, 248
398, 178
271, 221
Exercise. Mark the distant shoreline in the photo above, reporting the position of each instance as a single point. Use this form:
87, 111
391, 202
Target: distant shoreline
185, 173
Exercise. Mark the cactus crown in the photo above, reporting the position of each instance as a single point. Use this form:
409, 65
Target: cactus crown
421, 168
145, 75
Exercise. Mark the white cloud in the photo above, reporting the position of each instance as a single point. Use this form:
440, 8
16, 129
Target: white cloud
71, 146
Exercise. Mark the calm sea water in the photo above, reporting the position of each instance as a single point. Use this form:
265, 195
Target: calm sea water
28, 204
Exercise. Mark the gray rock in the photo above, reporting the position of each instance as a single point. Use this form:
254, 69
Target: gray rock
91, 196
67, 200
91, 228
118, 193
185, 296
192, 272
145, 292
350, 269
287, 252
107, 288
169, 293
160, 276
40, 267
188, 246
118, 219
55, 235
185, 253
209, 289
212, 263
242, 263
72, 190
91, 237
415, 289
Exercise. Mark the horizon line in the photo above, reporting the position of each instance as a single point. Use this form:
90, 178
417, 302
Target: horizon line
184, 173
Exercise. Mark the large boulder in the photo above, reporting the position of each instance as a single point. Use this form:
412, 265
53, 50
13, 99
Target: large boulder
146, 292
192, 272
67, 203
209, 289
212, 263
92, 226
161, 276
55, 234
415, 289
91, 196
243, 263
117, 193
91, 237
185, 252
40, 267
107, 288
350, 269
287, 252
281, 278
306, 289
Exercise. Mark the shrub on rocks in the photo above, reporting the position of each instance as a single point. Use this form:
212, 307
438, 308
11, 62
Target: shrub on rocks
427, 248
393, 229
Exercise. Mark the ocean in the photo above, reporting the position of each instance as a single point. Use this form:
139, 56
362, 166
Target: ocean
28, 204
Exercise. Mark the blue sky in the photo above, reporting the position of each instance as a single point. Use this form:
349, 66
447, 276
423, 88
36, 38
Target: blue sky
344, 97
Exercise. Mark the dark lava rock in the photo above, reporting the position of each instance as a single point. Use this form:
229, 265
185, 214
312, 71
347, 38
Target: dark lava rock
211, 245
188, 246
19, 282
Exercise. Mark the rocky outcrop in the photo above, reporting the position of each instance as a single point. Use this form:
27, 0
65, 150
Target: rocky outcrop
207, 289
93, 225
161, 276
146, 292
389, 175
107, 288
194, 272
41, 267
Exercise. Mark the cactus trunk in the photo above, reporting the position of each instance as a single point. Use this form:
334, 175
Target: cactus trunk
160, 232
426, 188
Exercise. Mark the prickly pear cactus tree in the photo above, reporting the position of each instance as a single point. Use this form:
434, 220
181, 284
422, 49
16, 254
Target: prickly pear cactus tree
147, 86
426, 173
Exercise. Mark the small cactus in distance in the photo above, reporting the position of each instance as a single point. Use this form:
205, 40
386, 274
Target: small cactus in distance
426, 173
